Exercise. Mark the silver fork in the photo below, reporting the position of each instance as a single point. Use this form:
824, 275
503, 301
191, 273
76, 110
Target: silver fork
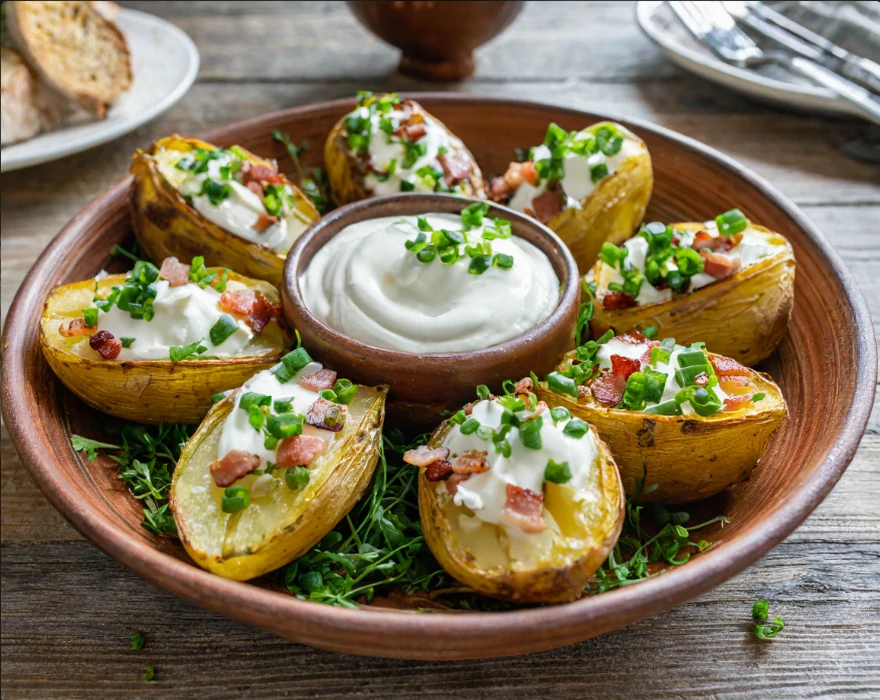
715, 27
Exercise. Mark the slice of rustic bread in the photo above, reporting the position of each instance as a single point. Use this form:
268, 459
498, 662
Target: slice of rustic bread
73, 48
27, 107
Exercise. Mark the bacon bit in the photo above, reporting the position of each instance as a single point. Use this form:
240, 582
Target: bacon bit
299, 451
608, 388
325, 415
722, 244
264, 222
501, 188
719, 265
76, 327
422, 456
524, 386
438, 471
499, 191
235, 465
646, 356
633, 338
412, 132
176, 272
469, 409
256, 172
255, 187
529, 172
726, 367
702, 379
453, 481
319, 381
455, 166
522, 509
547, 205
107, 344
471, 462
618, 300
732, 403
624, 366
584, 391
258, 309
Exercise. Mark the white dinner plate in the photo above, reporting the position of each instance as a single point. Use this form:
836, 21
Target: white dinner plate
770, 83
165, 62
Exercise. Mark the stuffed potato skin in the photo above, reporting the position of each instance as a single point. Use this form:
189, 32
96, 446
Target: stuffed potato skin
345, 172
147, 391
165, 225
613, 210
689, 458
266, 535
563, 581
744, 316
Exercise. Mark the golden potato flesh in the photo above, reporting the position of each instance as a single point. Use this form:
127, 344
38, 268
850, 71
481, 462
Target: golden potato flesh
147, 391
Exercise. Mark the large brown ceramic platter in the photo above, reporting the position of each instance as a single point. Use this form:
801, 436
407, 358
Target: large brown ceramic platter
826, 367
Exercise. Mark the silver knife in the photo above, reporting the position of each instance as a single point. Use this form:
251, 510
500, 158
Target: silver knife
806, 42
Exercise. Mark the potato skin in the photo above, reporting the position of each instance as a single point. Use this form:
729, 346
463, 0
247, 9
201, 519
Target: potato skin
744, 316
306, 520
689, 458
146, 391
612, 211
346, 180
164, 224
562, 583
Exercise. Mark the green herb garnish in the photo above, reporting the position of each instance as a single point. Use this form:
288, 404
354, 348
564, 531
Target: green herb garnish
138, 641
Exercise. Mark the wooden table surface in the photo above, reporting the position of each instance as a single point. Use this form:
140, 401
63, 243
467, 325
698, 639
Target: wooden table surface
68, 610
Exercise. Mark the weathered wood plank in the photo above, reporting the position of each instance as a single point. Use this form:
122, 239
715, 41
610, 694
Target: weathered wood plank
69, 612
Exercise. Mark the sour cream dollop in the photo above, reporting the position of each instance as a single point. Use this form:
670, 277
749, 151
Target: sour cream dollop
183, 315
365, 283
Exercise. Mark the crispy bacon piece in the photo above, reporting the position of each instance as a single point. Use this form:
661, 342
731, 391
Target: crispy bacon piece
524, 386
299, 451
702, 379
522, 509
176, 272
258, 309
453, 481
319, 381
327, 416
732, 403
719, 265
501, 188
624, 366
471, 462
721, 244
412, 132
608, 388
264, 223
547, 205
439, 470
726, 367
235, 465
632, 338
618, 300
455, 166
422, 456
256, 172
255, 187
76, 327
107, 344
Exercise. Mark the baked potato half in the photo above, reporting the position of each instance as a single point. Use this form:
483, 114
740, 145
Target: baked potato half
272, 495
110, 378
741, 310
525, 512
589, 186
690, 423
387, 146
191, 198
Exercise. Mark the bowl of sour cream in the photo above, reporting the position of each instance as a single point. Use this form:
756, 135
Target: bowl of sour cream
433, 295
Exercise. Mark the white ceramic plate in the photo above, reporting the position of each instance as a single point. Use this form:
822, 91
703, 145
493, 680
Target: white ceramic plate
771, 84
165, 62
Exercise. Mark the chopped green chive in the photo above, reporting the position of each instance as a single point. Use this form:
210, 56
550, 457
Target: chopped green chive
297, 478
138, 641
560, 384
284, 426
235, 499
149, 674
598, 172
127, 342
470, 426
757, 397
252, 398
559, 413
576, 428
90, 316
557, 472
222, 329
530, 433
731, 222
483, 392
182, 352
501, 260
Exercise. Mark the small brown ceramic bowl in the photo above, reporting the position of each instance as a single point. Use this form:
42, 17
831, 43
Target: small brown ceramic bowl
423, 386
